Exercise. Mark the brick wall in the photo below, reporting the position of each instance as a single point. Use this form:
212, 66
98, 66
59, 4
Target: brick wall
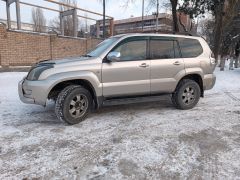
24, 48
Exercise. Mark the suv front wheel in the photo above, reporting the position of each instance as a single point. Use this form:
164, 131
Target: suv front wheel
186, 95
73, 104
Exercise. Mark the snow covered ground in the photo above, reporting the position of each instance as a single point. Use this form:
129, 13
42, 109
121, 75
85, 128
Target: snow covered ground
143, 141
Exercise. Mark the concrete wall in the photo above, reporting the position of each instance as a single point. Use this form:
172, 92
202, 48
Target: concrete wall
19, 48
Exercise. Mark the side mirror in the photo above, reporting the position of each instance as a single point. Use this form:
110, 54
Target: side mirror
113, 56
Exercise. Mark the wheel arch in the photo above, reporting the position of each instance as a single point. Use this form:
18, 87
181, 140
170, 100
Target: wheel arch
195, 77
56, 89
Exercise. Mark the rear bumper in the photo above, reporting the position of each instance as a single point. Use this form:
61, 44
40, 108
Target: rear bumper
209, 81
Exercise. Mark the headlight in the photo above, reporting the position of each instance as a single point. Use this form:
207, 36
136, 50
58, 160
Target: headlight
36, 71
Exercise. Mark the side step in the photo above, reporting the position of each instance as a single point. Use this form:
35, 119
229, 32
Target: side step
132, 100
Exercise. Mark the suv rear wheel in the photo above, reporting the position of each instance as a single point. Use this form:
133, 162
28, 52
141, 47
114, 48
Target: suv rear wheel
73, 104
187, 94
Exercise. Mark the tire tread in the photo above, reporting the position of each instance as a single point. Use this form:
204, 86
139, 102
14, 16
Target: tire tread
59, 107
175, 95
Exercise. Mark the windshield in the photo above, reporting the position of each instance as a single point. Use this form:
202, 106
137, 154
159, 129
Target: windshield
103, 46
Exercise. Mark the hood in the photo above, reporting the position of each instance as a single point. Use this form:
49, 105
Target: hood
66, 65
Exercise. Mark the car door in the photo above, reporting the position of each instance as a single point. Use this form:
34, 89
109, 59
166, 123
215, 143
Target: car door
130, 75
166, 64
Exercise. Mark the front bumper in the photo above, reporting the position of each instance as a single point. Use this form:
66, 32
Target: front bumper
21, 96
209, 81
34, 92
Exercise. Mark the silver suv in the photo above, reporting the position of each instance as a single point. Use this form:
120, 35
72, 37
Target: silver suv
123, 69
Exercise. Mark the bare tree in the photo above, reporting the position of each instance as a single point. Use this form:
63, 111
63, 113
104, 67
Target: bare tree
38, 19
54, 24
228, 33
218, 9
127, 3
206, 26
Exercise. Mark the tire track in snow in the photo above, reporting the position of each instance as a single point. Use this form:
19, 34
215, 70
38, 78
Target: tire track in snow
233, 97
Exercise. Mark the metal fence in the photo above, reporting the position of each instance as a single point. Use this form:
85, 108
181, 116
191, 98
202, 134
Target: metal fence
71, 11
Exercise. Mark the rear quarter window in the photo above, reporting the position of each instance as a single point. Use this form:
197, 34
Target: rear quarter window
190, 48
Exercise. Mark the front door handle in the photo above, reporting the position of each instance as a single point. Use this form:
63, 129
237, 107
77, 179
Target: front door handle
177, 63
144, 65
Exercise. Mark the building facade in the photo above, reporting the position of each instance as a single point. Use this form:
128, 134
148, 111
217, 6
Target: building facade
134, 25
150, 25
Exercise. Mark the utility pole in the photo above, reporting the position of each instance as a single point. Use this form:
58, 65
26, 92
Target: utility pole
157, 15
104, 18
142, 14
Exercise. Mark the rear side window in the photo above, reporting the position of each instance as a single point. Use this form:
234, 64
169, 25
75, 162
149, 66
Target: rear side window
190, 47
164, 49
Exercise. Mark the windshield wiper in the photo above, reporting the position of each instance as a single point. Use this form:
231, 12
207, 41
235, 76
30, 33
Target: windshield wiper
86, 55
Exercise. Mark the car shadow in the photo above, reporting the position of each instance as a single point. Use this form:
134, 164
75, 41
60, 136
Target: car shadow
159, 105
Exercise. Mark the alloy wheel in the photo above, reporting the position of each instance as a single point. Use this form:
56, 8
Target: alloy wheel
78, 106
188, 95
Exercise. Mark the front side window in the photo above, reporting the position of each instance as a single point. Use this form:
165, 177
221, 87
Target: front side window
164, 49
132, 50
190, 47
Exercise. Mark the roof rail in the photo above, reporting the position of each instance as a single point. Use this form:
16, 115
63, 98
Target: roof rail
186, 33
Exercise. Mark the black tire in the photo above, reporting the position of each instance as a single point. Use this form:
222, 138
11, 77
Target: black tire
186, 95
65, 104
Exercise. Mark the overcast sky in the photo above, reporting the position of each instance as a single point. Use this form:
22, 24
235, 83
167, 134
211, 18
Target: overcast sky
114, 8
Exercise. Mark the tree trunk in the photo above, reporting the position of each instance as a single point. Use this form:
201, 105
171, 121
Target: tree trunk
222, 62
218, 31
174, 16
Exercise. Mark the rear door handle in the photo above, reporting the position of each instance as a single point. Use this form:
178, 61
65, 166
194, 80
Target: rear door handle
177, 63
144, 65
